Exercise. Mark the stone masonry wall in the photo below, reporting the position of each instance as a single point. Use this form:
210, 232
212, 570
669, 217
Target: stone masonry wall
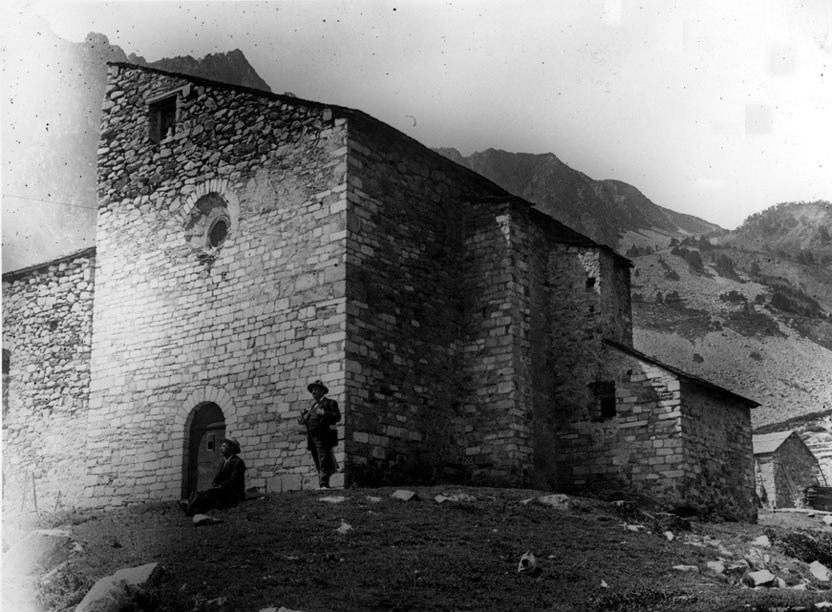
640, 448
47, 329
791, 468
178, 323
407, 270
496, 417
719, 461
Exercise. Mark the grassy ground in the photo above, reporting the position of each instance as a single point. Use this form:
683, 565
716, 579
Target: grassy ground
371, 552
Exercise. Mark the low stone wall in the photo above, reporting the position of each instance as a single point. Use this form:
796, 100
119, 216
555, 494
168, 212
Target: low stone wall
47, 331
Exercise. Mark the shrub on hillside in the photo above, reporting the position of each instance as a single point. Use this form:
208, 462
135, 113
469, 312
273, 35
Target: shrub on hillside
693, 259
808, 546
733, 297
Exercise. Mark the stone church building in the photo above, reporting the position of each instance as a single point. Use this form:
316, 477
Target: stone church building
249, 242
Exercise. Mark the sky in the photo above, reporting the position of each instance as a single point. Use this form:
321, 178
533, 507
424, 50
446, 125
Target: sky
718, 109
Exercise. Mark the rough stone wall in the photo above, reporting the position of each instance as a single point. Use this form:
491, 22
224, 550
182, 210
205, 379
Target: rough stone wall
639, 448
406, 306
764, 476
794, 468
719, 461
588, 290
179, 323
47, 329
497, 403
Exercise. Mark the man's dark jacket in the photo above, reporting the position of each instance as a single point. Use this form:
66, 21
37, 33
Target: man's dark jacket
324, 431
231, 481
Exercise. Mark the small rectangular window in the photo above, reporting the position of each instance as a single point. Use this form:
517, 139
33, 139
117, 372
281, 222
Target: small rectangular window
162, 118
604, 408
210, 442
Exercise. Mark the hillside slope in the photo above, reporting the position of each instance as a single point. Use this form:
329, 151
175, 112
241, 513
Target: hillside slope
733, 317
610, 212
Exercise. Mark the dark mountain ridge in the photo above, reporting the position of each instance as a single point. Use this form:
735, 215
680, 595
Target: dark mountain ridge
608, 211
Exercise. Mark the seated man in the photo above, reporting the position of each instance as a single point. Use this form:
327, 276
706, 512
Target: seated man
228, 486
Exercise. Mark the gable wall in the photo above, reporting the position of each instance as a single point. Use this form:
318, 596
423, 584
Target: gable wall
794, 468
178, 325
47, 328
640, 448
719, 459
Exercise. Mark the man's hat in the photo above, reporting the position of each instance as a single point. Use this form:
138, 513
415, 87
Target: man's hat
235, 446
317, 383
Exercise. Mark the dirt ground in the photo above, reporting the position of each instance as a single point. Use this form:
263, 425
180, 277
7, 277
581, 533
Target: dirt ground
362, 550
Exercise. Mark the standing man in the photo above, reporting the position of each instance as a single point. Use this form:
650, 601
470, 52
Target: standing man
321, 438
228, 488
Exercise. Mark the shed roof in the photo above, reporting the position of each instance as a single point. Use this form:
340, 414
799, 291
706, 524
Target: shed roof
681, 374
770, 442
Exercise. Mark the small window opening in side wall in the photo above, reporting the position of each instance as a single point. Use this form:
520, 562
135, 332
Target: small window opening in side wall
210, 442
162, 118
590, 283
604, 392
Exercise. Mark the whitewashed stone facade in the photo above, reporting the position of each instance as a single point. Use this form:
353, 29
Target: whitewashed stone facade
262, 241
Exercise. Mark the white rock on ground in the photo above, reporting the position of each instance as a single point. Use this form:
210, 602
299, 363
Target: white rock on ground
110, 594
820, 571
761, 578
404, 495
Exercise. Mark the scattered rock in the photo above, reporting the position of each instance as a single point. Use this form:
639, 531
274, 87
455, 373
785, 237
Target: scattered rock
604, 584
736, 569
203, 519
634, 528
828, 519
373, 499
333, 499
556, 500
756, 559
760, 578
781, 584
686, 568
111, 594
762, 542
344, 528
820, 571
718, 567
458, 498
404, 495
669, 535
528, 564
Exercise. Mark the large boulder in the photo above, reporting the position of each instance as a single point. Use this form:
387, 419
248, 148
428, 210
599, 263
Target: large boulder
113, 593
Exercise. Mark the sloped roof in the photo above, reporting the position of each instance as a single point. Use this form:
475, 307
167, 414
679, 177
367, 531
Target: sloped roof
768, 443
13, 275
681, 374
564, 233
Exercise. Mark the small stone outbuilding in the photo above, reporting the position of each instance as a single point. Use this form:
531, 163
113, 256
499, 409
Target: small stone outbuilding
784, 468
249, 242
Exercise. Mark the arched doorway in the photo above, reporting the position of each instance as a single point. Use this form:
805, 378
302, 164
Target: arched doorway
206, 431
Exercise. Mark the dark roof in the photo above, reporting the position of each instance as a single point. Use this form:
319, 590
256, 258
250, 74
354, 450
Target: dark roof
15, 274
681, 374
